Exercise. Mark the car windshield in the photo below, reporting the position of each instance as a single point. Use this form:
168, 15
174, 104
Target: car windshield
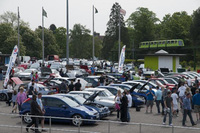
80, 99
70, 102
108, 93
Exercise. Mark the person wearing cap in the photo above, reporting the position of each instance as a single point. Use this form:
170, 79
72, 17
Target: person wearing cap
21, 97
150, 94
187, 110
196, 103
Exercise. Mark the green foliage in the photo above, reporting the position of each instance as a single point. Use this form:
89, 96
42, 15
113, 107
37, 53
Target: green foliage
31, 41
191, 63
183, 64
50, 45
60, 35
143, 22
8, 39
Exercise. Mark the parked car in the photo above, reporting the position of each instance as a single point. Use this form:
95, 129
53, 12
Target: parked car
26, 73
59, 106
112, 89
102, 110
94, 80
95, 99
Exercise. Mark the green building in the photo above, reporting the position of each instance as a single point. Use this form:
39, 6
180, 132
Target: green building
162, 59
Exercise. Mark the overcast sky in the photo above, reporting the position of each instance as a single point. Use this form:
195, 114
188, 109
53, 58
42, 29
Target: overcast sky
80, 11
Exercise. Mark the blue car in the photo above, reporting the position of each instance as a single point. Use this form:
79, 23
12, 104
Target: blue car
101, 109
59, 106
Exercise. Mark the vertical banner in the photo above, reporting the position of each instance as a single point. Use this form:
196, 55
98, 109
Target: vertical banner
121, 60
11, 64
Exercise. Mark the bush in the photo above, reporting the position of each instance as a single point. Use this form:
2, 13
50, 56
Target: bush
191, 63
183, 64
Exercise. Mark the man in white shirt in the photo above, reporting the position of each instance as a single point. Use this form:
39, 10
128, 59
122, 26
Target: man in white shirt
181, 91
175, 103
189, 83
129, 97
36, 89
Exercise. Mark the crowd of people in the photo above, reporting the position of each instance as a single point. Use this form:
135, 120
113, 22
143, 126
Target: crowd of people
184, 98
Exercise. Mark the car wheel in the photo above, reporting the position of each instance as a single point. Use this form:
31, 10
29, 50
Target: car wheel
76, 120
27, 118
3, 97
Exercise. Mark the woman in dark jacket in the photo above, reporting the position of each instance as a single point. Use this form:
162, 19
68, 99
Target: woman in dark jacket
124, 105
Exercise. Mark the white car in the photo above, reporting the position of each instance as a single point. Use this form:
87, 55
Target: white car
26, 73
96, 99
103, 93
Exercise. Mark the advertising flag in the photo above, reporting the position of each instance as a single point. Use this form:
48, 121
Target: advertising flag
121, 60
122, 11
11, 64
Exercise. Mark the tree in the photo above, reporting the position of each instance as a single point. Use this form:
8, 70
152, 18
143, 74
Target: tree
50, 45
8, 39
60, 35
31, 41
112, 32
176, 26
53, 28
80, 41
143, 22
10, 17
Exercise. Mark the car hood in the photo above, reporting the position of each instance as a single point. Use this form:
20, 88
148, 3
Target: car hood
85, 109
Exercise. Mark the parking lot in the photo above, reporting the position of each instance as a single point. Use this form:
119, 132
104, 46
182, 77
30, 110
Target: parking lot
140, 122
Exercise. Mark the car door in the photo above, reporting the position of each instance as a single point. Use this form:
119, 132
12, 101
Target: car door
54, 107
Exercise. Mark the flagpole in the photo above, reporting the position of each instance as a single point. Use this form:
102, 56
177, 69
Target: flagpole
119, 36
18, 36
67, 27
42, 37
93, 34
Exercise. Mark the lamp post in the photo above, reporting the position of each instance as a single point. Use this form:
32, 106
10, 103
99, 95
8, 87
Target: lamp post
67, 27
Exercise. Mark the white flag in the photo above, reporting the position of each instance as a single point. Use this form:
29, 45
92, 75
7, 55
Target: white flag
121, 60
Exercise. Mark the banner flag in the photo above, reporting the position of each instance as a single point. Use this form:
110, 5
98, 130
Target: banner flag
11, 64
121, 60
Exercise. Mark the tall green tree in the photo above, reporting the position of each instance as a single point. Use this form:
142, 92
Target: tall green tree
12, 18
50, 45
8, 39
31, 41
53, 28
112, 33
176, 26
143, 22
79, 41
60, 35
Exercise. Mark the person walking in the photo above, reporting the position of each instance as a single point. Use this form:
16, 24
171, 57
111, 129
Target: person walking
175, 103
158, 98
21, 97
35, 110
168, 102
118, 103
124, 105
196, 103
150, 94
9, 92
187, 110
78, 86
181, 91
39, 102
129, 97
14, 98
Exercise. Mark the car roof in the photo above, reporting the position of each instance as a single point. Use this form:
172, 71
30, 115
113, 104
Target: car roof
81, 92
98, 89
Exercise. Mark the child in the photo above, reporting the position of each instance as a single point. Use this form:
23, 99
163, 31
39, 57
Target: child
14, 97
